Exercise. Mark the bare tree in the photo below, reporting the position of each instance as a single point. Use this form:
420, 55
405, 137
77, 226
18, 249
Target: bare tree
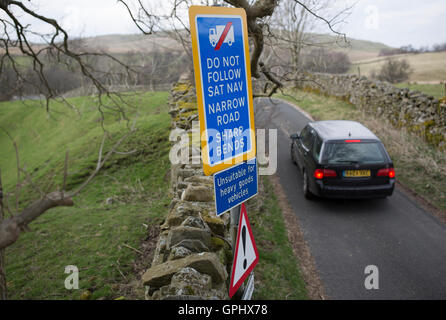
393, 71
290, 25
52, 46
43, 53
258, 13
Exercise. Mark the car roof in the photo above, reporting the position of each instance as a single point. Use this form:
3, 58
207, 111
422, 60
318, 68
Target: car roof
342, 129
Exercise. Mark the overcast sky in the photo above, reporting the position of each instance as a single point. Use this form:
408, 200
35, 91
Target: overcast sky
393, 22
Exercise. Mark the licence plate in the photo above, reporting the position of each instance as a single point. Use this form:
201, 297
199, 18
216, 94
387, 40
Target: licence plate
356, 173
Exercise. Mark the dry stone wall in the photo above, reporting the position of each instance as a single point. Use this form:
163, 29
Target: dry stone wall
193, 256
413, 110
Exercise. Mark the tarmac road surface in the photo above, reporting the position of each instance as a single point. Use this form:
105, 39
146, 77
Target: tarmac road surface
406, 243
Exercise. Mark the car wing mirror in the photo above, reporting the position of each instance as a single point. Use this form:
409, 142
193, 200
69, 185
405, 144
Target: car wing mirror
294, 136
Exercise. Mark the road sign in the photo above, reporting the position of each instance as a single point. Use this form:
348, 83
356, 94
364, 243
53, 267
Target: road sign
223, 81
246, 255
235, 185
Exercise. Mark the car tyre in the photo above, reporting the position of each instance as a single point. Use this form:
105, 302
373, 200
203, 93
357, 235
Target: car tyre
292, 156
306, 186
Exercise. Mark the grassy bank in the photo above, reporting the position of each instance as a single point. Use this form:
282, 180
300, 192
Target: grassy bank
418, 165
110, 217
436, 90
277, 274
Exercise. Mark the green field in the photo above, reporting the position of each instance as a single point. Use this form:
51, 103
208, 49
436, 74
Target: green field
427, 67
418, 166
436, 90
92, 235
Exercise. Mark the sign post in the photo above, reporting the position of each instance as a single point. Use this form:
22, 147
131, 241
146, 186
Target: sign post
220, 50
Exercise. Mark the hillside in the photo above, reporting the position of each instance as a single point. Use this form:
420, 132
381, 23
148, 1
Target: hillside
119, 208
356, 49
118, 44
427, 67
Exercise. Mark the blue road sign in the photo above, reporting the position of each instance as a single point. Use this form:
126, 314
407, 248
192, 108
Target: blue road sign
235, 185
223, 88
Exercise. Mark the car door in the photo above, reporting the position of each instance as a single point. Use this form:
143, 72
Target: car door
304, 146
307, 145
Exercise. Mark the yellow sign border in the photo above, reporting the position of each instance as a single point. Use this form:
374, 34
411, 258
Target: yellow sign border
203, 10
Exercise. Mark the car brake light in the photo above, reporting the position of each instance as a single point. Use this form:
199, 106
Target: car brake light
327, 173
391, 173
387, 172
318, 173
350, 141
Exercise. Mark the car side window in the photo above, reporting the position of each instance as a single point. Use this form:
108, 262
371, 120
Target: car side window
317, 148
307, 137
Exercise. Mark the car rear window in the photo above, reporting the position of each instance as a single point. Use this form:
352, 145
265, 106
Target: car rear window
356, 152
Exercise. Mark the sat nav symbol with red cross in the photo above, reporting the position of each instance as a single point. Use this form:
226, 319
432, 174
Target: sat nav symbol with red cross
221, 34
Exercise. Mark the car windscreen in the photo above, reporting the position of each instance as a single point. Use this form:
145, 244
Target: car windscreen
353, 153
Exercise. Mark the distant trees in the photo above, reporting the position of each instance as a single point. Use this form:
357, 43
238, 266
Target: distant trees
321, 60
411, 49
439, 47
393, 71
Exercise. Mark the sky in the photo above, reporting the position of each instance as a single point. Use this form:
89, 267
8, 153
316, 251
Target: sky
392, 22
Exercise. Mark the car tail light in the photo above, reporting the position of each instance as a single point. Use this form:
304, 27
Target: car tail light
327, 173
387, 172
318, 173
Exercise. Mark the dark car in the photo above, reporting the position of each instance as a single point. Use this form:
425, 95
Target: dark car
342, 159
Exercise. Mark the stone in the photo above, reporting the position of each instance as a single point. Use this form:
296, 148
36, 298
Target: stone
206, 263
216, 224
193, 222
193, 245
188, 276
183, 209
159, 255
178, 234
198, 193
207, 180
179, 252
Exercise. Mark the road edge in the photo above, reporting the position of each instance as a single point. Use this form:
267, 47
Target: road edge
301, 250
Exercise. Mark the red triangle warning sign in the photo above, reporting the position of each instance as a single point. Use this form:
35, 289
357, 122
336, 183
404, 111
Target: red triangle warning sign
246, 255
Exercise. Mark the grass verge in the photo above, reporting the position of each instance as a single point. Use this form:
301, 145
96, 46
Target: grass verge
438, 91
278, 275
102, 232
417, 164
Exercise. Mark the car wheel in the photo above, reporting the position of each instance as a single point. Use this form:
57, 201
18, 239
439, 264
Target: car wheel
306, 187
292, 156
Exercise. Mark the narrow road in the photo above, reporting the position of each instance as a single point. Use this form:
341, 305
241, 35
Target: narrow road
406, 243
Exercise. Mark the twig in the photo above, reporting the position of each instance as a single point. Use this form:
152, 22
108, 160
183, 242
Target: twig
136, 250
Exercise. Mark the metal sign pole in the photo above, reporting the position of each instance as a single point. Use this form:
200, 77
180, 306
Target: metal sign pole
234, 220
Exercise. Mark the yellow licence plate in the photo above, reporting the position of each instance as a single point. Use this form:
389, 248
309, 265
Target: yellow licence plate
356, 173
